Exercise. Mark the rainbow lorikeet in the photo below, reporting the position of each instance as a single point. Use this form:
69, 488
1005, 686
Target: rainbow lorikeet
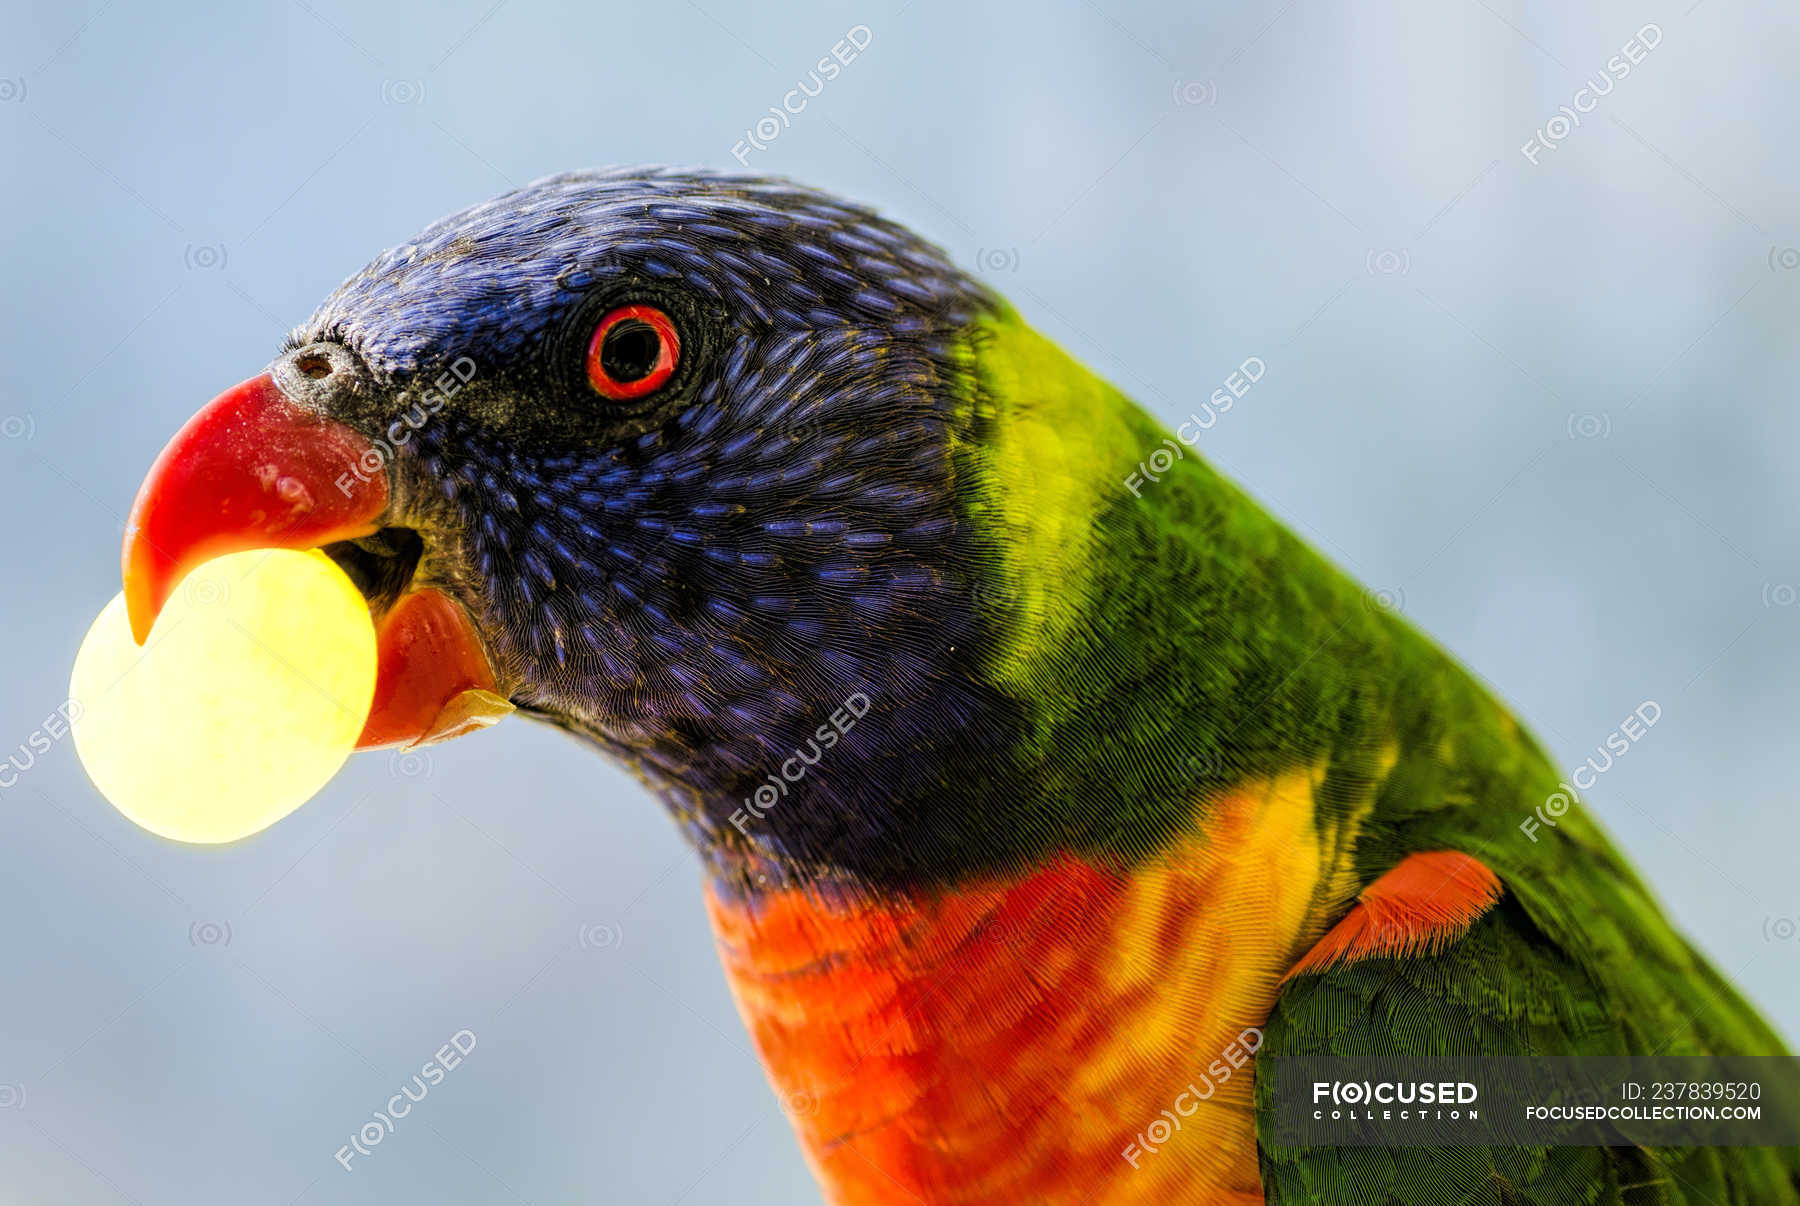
1028, 787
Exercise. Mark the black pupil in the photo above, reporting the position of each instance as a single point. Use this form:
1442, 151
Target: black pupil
630, 350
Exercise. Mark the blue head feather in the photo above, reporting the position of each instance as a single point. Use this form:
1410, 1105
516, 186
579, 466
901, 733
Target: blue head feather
697, 585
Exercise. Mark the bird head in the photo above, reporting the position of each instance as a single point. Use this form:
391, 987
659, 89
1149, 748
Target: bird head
673, 461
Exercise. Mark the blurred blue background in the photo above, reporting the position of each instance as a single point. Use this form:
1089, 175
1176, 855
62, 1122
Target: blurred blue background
1546, 407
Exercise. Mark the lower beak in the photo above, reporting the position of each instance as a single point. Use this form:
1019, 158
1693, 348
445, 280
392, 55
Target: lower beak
254, 470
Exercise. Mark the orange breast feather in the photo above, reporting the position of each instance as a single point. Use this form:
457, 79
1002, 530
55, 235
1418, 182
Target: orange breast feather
1040, 1038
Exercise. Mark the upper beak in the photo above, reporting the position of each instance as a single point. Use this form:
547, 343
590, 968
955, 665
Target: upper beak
255, 470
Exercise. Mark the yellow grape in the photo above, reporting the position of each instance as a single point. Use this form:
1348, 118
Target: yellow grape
244, 701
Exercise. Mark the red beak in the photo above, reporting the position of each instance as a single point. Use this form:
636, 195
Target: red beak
254, 470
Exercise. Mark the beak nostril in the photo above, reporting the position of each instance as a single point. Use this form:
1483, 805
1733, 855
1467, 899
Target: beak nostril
313, 365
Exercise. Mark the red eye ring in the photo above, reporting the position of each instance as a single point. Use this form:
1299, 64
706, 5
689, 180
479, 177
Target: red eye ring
618, 350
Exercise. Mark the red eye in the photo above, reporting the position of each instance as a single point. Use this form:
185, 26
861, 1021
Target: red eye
633, 353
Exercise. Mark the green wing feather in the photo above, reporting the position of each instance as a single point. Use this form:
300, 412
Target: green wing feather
1509, 988
1204, 634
